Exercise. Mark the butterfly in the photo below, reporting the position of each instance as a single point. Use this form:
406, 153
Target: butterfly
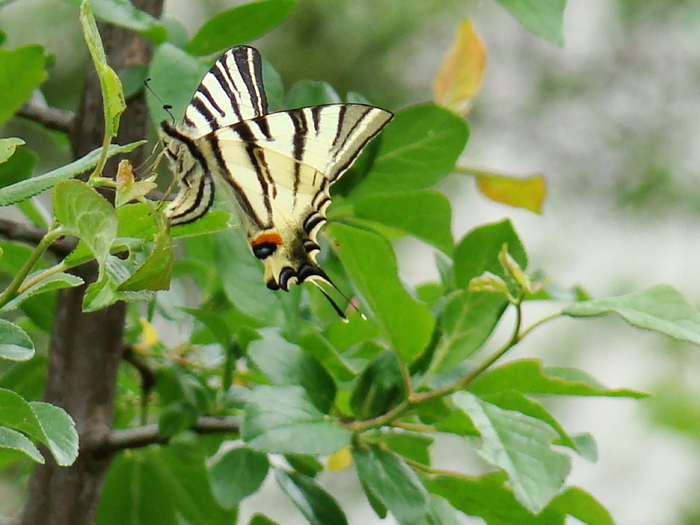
277, 168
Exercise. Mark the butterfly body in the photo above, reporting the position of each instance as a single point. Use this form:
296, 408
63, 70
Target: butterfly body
276, 167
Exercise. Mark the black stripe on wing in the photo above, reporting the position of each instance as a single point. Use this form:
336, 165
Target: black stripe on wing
241, 197
249, 66
230, 92
195, 202
301, 131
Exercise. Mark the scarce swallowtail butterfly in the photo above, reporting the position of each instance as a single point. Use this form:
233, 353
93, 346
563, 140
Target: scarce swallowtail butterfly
276, 167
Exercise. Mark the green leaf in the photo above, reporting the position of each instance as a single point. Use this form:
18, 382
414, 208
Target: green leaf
319, 347
28, 378
46, 423
478, 251
369, 260
22, 70
238, 25
530, 377
132, 79
19, 167
317, 506
274, 88
285, 363
467, 321
59, 430
13, 440
418, 148
430, 217
379, 387
440, 512
122, 13
661, 309
30, 187
411, 445
283, 420
514, 400
242, 278
148, 498
174, 76
304, 464
521, 446
182, 466
18, 414
56, 281
7, 149
306, 93
112, 93
177, 417
15, 343
259, 519
488, 498
214, 221
155, 272
578, 503
544, 18
390, 480
104, 291
86, 214
236, 474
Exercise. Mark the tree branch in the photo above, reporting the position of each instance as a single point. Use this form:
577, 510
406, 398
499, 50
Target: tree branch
51, 118
16, 231
139, 437
148, 376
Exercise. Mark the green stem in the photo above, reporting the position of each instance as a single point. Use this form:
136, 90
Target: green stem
60, 267
380, 421
434, 471
11, 291
105, 145
406, 375
540, 323
514, 339
482, 172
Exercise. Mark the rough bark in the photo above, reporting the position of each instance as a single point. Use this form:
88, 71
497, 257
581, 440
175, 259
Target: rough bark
85, 348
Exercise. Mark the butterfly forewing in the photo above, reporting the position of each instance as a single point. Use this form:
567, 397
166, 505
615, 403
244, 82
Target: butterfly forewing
230, 92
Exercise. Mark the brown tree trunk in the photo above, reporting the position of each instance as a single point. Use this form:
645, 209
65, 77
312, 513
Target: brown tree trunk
85, 348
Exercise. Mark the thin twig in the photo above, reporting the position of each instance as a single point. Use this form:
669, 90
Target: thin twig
11, 291
52, 118
17, 231
418, 398
140, 437
148, 376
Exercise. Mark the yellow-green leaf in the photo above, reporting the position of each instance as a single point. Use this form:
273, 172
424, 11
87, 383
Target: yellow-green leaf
519, 192
112, 92
127, 188
8, 146
459, 77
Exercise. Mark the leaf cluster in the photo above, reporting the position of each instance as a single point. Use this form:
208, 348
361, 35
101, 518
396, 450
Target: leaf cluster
310, 391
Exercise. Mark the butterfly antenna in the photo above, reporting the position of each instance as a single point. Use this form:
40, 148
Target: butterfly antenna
333, 303
166, 107
350, 302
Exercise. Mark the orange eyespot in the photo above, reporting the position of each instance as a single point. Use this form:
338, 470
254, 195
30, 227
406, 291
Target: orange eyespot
267, 238
265, 244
